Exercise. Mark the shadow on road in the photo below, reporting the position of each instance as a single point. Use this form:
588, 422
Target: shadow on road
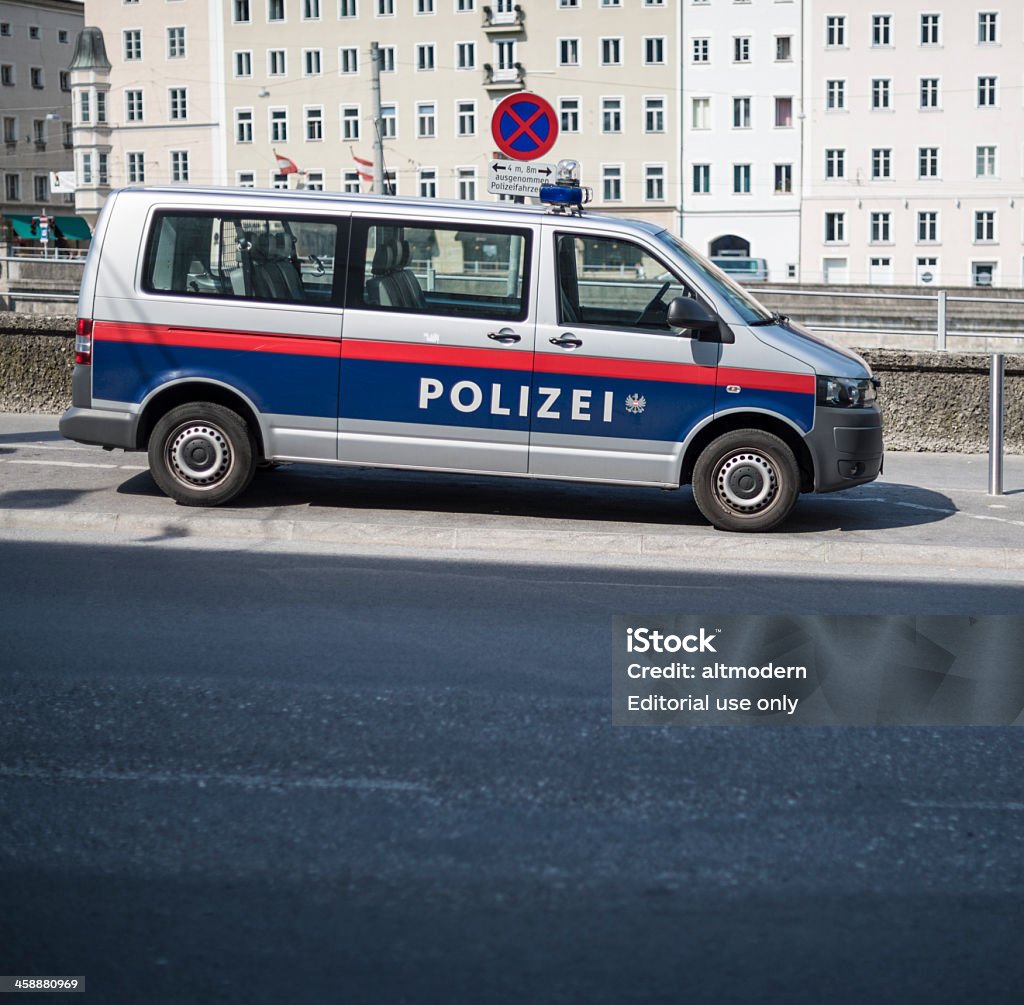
32, 436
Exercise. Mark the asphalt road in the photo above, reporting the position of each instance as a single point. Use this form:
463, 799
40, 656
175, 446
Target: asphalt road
265, 770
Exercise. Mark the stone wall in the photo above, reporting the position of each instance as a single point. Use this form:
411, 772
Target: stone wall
931, 401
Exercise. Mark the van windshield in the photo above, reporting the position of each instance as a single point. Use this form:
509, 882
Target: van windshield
741, 301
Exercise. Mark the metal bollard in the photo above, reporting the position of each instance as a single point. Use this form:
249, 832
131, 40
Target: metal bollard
997, 372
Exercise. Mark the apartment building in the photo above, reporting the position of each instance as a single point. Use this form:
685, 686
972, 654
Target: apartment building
741, 135
229, 91
914, 163
37, 39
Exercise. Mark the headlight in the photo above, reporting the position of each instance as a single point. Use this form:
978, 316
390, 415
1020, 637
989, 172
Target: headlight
847, 392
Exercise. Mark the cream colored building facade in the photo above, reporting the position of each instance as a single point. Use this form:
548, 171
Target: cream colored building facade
262, 79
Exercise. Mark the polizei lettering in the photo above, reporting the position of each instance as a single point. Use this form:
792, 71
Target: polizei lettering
579, 404
647, 640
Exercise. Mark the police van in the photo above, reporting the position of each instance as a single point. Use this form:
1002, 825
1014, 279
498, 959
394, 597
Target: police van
221, 330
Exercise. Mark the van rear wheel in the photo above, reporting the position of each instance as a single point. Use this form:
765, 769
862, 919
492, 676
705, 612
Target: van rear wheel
202, 454
746, 480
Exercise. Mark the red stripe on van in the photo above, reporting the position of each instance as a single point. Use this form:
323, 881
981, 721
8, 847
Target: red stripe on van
438, 355
766, 380
204, 338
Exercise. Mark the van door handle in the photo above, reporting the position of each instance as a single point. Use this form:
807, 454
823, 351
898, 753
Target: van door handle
505, 335
567, 341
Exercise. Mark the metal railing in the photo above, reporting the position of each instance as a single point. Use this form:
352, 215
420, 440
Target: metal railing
941, 298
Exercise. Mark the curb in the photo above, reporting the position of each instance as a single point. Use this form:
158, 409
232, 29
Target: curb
691, 550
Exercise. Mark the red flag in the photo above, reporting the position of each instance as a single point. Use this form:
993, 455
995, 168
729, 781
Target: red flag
359, 160
285, 165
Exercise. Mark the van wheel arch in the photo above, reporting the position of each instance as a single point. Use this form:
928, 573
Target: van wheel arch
750, 420
181, 394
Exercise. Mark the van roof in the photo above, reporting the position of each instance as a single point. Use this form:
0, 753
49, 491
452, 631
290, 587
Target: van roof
215, 196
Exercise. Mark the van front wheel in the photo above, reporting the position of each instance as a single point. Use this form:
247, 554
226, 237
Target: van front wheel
201, 454
746, 480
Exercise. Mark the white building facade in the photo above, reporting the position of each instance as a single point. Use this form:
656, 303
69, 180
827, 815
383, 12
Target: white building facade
741, 136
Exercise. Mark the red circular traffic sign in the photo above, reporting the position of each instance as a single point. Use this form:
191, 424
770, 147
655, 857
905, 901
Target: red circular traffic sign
524, 126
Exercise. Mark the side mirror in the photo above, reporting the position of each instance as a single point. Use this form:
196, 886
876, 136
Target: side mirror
687, 313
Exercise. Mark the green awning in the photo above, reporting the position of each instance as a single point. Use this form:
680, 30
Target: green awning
22, 226
72, 228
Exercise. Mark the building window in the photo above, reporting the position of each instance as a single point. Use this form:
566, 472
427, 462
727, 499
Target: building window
179, 165
348, 60
881, 89
741, 49
835, 95
136, 168
243, 63
466, 118
315, 181
350, 122
985, 162
311, 62
275, 10
177, 103
783, 48
349, 8
880, 227
35, 75
85, 106
929, 92
930, 29
424, 6
12, 187
243, 125
465, 55
835, 163
426, 120
654, 50
881, 162
654, 183
350, 181
102, 169
611, 51
385, 8
881, 29
783, 179
101, 106
568, 52
988, 27
928, 162
425, 56
741, 179
569, 115
835, 30
983, 273
702, 50
133, 106
611, 115
466, 178
927, 226
654, 115
65, 80
279, 180
701, 113
86, 169
835, 228
5, 29
132, 44
277, 62
986, 92
7, 75
311, 12
314, 125
279, 125
464, 6
985, 225
701, 179
741, 113
240, 12
611, 182
33, 31
783, 113
175, 43
428, 183
39, 133
388, 122
41, 188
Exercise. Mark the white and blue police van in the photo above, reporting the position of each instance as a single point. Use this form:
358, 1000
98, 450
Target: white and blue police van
221, 330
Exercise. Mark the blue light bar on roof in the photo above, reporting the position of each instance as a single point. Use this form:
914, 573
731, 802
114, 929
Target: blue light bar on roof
561, 195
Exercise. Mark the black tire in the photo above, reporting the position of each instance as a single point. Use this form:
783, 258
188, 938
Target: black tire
202, 454
746, 480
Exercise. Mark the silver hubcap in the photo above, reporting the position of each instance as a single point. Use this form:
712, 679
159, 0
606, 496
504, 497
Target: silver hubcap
199, 455
746, 482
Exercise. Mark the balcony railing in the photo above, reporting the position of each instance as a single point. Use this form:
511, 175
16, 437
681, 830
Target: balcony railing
502, 79
504, 20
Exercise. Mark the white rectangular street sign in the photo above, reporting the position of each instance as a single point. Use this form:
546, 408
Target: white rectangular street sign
518, 177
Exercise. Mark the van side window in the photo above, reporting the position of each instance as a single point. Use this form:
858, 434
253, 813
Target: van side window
250, 257
440, 269
613, 283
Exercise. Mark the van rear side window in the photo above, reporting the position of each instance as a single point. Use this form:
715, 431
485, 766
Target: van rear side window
443, 269
250, 258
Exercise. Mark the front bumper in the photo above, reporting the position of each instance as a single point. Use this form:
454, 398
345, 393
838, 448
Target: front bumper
100, 427
846, 446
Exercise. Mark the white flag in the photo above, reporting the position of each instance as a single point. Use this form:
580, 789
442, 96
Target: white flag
62, 181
